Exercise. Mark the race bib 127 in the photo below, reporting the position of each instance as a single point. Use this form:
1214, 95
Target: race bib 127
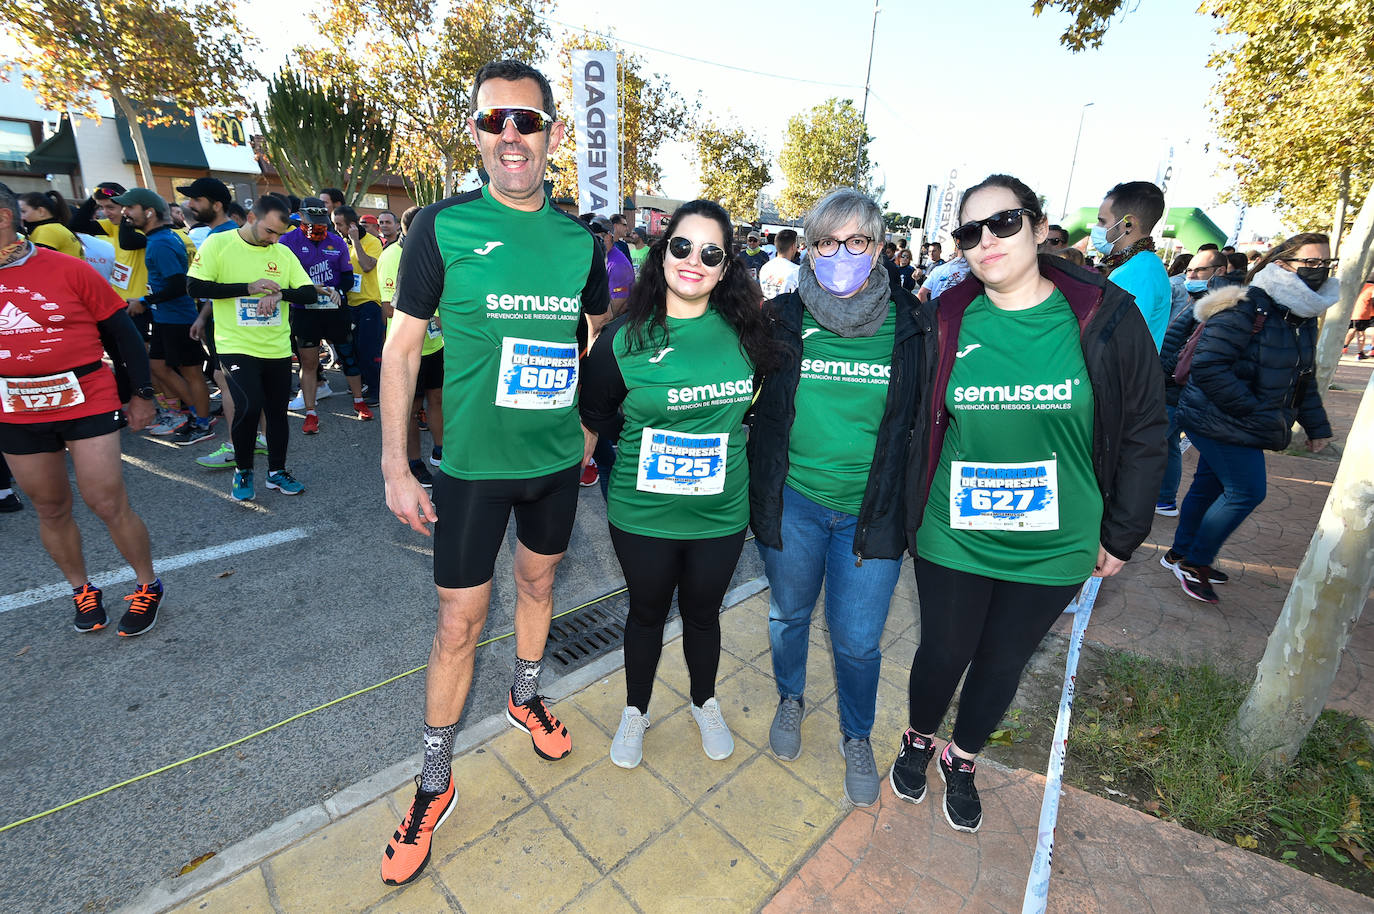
536, 374
1004, 496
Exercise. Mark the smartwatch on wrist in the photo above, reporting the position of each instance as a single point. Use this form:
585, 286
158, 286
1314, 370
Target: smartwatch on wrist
145, 392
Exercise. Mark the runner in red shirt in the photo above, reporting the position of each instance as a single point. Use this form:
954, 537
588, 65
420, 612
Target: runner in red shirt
57, 395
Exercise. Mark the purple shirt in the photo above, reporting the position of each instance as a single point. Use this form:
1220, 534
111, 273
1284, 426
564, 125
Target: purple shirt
326, 263
621, 274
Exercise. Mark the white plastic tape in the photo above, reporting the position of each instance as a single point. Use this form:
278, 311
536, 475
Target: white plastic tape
1038, 881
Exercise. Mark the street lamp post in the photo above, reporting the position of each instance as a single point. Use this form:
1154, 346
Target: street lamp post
863, 116
1074, 161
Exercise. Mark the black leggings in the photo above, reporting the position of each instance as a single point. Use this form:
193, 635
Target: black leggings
259, 387
988, 626
700, 571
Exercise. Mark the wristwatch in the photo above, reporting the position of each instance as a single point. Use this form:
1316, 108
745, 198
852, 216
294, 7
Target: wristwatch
146, 392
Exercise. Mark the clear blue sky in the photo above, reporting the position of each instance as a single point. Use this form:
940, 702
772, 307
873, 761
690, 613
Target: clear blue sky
979, 87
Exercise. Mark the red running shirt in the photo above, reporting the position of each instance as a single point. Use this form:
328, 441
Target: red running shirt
49, 307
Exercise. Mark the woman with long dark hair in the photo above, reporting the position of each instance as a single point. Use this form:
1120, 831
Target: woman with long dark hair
680, 366
1252, 376
45, 218
1039, 467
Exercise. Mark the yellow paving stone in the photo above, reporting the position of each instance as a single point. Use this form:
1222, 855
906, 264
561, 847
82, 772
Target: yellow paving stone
693, 867
672, 669
747, 700
611, 811
889, 720
601, 702
771, 813
244, 894
420, 897
527, 864
338, 868
590, 744
820, 764
487, 793
897, 661
603, 898
744, 628
672, 750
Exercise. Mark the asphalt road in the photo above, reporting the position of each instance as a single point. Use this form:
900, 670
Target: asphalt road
241, 642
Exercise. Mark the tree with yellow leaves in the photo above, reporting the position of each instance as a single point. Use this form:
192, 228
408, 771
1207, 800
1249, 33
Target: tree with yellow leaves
734, 168
149, 56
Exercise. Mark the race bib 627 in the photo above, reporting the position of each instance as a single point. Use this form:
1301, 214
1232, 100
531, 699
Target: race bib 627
1004, 496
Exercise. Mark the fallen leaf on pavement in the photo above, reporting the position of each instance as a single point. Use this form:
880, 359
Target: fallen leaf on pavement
195, 863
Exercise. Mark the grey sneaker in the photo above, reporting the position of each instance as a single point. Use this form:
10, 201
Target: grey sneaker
627, 749
716, 740
860, 773
784, 737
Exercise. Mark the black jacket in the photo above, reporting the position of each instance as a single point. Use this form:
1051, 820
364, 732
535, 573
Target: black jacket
1246, 386
1129, 422
880, 530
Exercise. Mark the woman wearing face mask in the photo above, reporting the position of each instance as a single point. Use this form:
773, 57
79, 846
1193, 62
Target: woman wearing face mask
45, 222
1252, 376
1043, 455
680, 367
826, 454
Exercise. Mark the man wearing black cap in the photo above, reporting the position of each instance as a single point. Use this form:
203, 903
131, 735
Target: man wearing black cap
207, 199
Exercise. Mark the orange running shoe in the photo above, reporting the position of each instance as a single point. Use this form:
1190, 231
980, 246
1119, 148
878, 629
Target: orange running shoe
550, 737
407, 853
361, 409
90, 611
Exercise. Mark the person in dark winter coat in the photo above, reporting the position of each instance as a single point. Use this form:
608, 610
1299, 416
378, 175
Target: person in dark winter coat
1038, 464
1252, 376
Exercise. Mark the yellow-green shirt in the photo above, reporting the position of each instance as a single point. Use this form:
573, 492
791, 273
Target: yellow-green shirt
388, 266
226, 258
365, 285
58, 237
130, 275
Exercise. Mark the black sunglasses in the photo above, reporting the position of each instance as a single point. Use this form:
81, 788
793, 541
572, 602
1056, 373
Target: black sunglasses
1055, 241
1003, 225
527, 120
712, 255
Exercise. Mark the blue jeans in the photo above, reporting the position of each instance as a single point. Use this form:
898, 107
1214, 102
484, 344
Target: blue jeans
818, 546
1228, 485
367, 342
1173, 471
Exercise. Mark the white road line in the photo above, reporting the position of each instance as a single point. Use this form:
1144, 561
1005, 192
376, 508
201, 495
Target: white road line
163, 565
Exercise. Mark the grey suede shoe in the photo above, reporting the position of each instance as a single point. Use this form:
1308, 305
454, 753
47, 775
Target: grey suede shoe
784, 737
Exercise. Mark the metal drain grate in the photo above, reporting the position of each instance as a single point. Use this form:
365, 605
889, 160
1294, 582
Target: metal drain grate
588, 634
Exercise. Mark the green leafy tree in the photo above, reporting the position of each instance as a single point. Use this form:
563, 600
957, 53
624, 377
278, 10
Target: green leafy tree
418, 64
151, 57
734, 168
651, 114
324, 133
823, 149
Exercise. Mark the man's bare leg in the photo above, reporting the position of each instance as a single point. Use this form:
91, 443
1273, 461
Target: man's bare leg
43, 477
462, 614
100, 480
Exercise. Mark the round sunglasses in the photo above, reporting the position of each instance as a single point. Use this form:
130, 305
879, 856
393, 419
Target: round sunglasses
1003, 225
526, 120
712, 255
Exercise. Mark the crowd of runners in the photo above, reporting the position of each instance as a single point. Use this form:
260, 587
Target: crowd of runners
1010, 418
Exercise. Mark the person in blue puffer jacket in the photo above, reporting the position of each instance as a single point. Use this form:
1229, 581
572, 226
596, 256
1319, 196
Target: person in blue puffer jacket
1252, 376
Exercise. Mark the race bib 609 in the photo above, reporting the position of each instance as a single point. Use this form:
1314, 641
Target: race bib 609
536, 374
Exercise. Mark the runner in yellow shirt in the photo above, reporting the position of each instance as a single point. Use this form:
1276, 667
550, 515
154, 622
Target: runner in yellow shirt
364, 299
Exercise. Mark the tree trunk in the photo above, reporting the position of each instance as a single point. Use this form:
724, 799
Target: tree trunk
1338, 218
126, 108
1329, 592
1354, 268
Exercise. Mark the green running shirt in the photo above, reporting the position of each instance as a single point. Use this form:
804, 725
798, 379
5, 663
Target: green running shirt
681, 470
839, 403
510, 288
1026, 505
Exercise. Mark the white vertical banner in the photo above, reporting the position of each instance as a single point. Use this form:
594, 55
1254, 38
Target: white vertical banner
597, 121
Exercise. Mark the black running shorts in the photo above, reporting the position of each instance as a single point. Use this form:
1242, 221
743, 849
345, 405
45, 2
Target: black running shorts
311, 325
172, 344
473, 514
51, 437
431, 375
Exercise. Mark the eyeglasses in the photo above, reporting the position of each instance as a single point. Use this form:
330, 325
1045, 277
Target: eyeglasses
1055, 241
1191, 271
854, 244
527, 120
712, 255
1004, 224
1313, 261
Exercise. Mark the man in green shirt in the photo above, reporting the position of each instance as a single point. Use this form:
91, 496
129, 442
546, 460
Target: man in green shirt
513, 439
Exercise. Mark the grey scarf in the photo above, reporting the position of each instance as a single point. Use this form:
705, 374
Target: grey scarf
860, 315
1292, 293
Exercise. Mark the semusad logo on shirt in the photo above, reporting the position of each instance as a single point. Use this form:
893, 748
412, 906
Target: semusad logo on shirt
528, 303
846, 369
724, 390
1016, 393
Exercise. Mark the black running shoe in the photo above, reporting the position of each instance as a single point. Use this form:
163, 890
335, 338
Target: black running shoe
141, 615
908, 775
422, 474
1196, 581
1172, 560
90, 611
10, 503
963, 809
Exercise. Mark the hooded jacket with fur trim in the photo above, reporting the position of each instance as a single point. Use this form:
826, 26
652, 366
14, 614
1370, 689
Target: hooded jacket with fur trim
1247, 387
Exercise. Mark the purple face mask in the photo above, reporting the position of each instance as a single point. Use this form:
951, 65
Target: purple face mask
842, 273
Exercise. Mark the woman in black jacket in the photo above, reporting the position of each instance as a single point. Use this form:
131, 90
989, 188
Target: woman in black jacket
827, 449
1251, 377
1040, 466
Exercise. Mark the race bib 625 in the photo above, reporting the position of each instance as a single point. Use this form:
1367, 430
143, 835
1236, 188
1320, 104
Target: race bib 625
674, 463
